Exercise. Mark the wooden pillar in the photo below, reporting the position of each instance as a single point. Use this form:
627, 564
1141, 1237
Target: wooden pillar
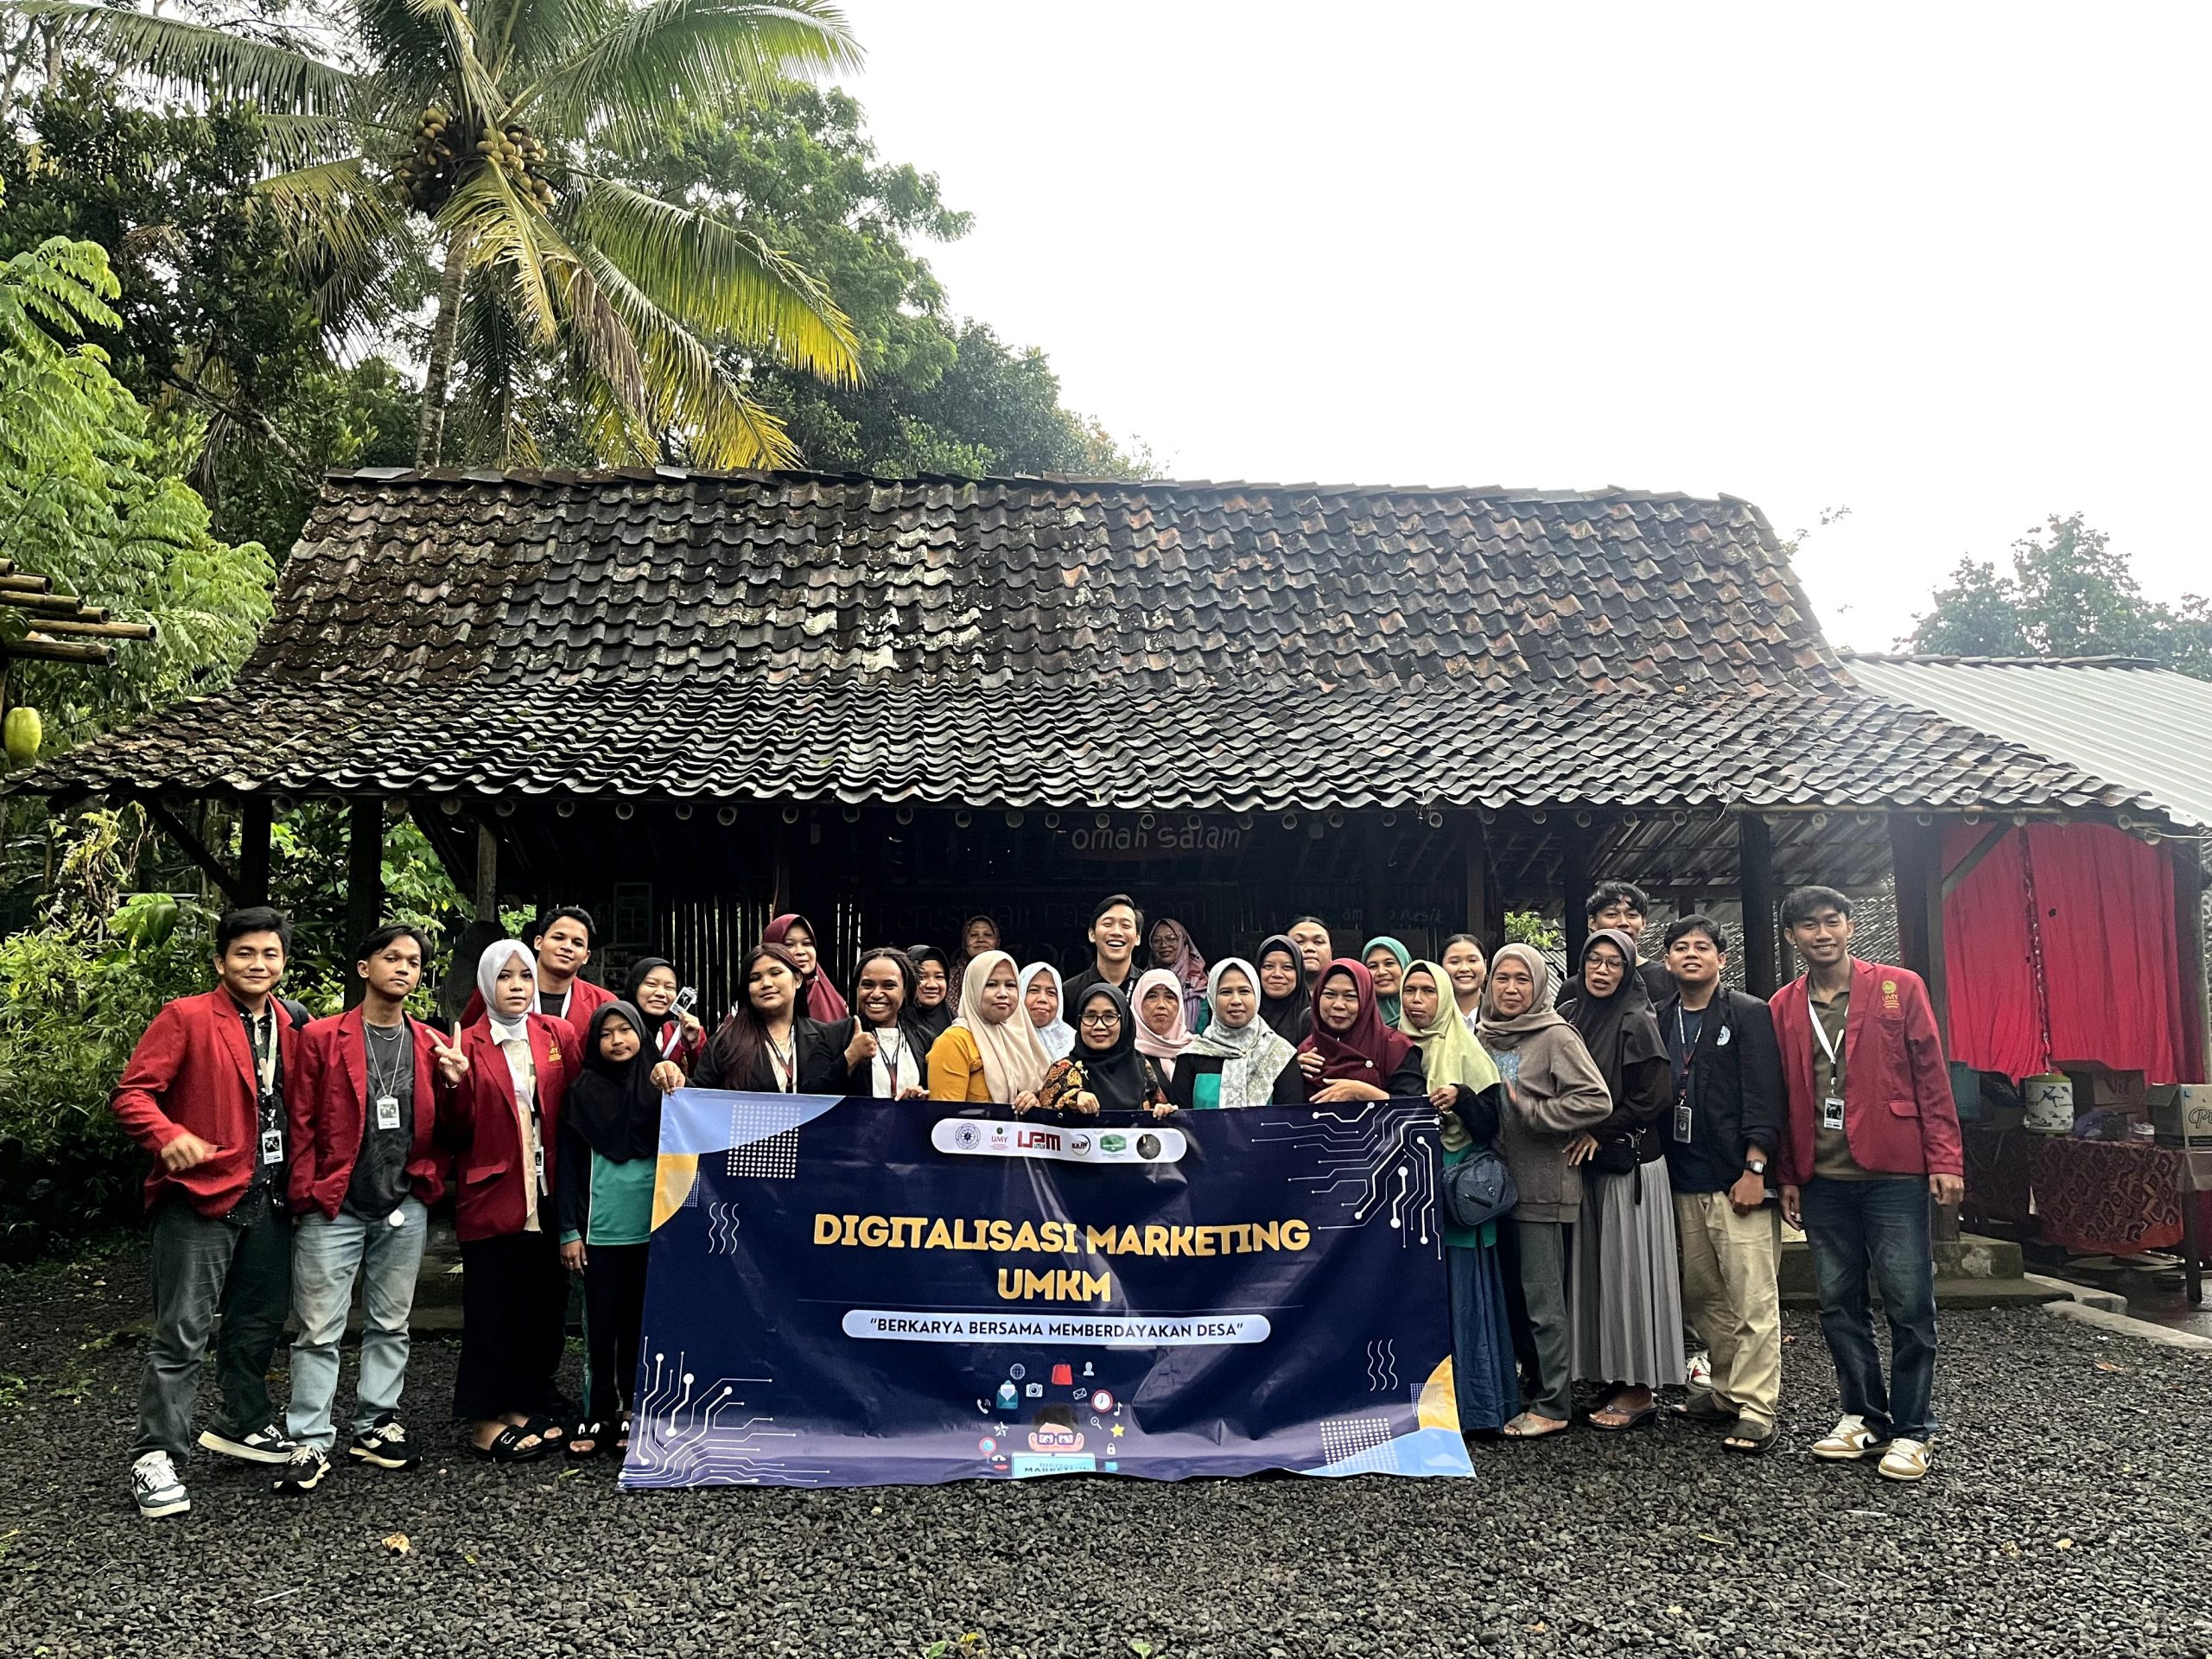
1574, 881
2189, 949
254, 818
486, 896
1480, 920
1917, 862
364, 886
1755, 887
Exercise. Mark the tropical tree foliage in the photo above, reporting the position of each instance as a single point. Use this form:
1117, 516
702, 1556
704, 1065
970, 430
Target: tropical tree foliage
2069, 593
90, 500
479, 123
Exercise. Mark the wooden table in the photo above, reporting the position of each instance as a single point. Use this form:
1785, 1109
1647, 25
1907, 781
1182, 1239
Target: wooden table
2093, 1197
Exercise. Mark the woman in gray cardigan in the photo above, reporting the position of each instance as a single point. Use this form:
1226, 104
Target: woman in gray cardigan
1552, 1090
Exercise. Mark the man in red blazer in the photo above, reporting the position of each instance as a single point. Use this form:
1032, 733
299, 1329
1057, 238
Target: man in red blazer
1871, 1139
204, 1093
561, 940
365, 1172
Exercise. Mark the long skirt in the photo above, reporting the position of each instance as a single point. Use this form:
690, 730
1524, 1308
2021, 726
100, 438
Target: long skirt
1482, 1339
514, 1302
1628, 1292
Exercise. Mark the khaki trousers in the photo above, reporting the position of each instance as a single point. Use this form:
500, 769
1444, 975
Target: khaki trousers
1729, 1264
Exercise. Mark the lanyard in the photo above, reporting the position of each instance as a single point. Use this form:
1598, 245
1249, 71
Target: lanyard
1689, 1048
383, 1080
782, 1063
1820, 1036
671, 1039
890, 1050
264, 1059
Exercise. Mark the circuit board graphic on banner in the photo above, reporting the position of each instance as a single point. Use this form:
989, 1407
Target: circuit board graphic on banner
862, 1292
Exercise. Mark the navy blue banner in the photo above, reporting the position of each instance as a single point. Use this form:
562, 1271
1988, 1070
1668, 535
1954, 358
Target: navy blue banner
852, 1292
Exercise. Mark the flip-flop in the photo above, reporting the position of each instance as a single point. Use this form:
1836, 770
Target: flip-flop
589, 1434
1751, 1439
1514, 1431
507, 1448
1643, 1419
1703, 1408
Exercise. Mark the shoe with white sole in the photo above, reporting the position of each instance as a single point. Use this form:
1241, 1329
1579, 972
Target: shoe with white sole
384, 1444
267, 1444
1904, 1460
1848, 1441
307, 1470
155, 1486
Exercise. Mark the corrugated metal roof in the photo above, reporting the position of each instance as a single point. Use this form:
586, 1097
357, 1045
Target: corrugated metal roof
2147, 728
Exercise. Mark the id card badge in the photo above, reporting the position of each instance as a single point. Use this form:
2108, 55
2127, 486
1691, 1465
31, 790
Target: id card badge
1682, 1122
272, 1146
1831, 1112
387, 1111
538, 1160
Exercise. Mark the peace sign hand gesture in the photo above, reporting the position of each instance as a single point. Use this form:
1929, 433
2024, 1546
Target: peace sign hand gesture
453, 1065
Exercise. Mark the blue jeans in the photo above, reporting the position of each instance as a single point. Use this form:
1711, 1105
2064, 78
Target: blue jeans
327, 1254
1880, 1224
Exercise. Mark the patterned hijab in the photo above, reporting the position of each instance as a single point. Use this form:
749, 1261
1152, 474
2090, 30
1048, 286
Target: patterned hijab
1059, 1036
1252, 1055
1013, 1057
1188, 967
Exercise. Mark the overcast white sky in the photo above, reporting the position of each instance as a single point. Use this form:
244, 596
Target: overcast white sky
1943, 263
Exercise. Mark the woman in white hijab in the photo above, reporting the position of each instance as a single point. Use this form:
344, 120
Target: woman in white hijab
1044, 999
1239, 1060
991, 1052
500, 1126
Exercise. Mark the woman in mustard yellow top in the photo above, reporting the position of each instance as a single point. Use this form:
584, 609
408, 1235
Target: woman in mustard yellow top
992, 1052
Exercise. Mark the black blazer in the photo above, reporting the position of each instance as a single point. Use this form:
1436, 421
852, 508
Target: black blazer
1735, 1088
820, 1056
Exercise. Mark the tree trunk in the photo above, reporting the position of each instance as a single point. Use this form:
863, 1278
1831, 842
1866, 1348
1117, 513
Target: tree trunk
430, 423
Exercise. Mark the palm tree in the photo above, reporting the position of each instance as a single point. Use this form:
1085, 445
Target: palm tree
475, 122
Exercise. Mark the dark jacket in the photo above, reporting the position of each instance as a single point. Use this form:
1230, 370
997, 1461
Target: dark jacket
818, 1055
1735, 1087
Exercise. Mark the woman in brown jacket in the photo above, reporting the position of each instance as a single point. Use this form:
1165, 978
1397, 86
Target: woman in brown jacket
1554, 1092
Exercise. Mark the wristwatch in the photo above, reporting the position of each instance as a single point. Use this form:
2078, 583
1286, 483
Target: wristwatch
1756, 1165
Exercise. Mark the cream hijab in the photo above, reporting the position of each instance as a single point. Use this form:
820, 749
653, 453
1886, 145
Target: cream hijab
1015, 1058
1059, 1036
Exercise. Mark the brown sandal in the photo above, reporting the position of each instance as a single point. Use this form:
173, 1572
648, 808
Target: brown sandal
1519, 1428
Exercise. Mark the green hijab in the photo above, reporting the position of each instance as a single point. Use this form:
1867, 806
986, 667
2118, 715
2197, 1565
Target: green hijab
1448, 1053
1389, 1005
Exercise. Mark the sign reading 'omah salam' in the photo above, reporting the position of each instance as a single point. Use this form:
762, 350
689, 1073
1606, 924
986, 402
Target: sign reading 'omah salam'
864, 1293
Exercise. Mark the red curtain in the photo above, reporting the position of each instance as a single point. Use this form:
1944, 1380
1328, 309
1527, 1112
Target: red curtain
2100, 906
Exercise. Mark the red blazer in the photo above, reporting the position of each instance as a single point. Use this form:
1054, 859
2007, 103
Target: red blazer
583, 998
1898, 1111
477, 1128
330, 1108
194, 1071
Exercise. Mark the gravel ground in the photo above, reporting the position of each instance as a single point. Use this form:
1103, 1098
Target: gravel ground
2067, 1515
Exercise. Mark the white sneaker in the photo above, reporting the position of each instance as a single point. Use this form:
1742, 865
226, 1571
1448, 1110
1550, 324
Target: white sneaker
155, 1486
1848, 1441
305, 1472
268, 1444
1904, 1460
1699, 1372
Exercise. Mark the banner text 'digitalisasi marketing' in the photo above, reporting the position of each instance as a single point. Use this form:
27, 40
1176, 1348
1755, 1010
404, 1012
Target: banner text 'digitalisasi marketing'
1000, 1236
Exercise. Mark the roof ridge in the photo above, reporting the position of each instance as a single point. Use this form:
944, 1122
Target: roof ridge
535, 476
1945, 659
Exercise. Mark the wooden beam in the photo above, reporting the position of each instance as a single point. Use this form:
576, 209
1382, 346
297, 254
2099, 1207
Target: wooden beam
254, 819
364, 886
1966, 866
1755, 888
1478, 920
1917, 860
2188, 949
103, 630
36, 647
195, 848
1574, 884
487, 873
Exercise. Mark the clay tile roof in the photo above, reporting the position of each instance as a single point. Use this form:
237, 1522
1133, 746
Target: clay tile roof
1038, 640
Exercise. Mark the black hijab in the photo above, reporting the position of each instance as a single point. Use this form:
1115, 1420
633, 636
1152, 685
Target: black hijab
932, 1023
1115, 1075
1291, 1017
615, 1105
630, 996
1619, 1031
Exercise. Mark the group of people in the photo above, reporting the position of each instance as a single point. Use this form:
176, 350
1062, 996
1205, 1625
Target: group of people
1657, 1128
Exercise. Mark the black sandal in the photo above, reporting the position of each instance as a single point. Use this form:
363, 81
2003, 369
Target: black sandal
1749, 1439
622, 1440
1643, 1419
585, 1432
553, 1434
507, 1448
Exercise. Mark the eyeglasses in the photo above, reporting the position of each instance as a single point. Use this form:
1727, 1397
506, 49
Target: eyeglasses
1108, 1018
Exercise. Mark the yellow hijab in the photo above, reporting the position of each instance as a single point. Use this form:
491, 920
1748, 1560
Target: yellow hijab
1448, 1053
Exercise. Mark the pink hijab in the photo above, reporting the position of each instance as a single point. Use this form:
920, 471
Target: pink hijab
1150, 1042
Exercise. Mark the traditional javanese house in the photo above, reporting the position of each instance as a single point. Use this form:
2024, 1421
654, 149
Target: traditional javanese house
687, 701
